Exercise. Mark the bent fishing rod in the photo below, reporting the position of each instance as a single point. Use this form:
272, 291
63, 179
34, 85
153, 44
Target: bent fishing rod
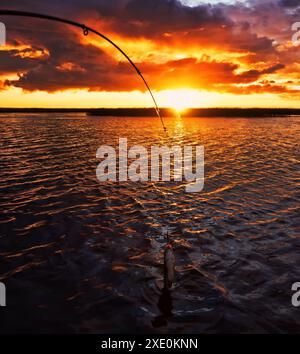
86, 30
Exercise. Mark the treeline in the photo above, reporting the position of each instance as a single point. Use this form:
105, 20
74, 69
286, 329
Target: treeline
166, 112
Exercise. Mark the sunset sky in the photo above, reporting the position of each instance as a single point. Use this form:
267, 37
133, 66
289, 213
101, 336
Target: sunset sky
193, 53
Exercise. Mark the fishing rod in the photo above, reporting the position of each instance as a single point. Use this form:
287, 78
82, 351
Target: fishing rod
169, 259
86, 30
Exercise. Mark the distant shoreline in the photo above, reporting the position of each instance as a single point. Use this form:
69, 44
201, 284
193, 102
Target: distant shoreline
167, 112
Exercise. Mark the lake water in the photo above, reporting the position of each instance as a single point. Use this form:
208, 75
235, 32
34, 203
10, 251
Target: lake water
81, 256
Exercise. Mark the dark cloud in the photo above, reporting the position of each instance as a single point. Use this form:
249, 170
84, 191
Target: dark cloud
253, 75
12, 61
289, 3
104, 74
74, 65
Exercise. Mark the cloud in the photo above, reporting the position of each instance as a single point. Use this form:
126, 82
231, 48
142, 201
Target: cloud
289, 3
12, 61
99, 73
53, 57
73, 65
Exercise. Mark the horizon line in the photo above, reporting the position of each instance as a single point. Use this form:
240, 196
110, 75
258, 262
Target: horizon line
225, 112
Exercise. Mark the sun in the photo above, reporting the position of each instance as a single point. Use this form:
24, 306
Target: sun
179, 100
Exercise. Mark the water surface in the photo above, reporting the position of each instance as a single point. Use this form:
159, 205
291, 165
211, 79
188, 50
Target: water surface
80, 256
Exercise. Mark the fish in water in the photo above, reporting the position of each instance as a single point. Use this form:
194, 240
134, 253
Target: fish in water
169, 266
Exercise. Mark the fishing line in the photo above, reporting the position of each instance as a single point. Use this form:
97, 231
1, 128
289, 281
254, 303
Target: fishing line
86, 30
